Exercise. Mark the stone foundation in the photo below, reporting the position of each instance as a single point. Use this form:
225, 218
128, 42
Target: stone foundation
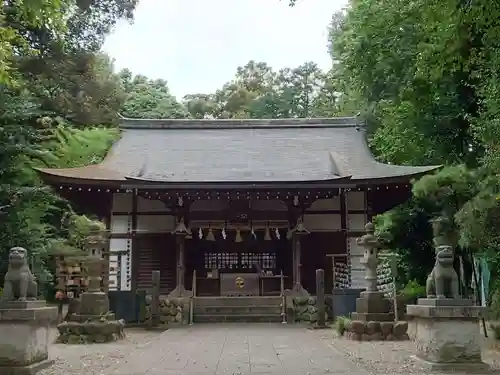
24, 336
305, 310
172, 310
376, 331
447, 335
90, 332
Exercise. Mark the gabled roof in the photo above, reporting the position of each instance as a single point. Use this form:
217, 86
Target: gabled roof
245, 151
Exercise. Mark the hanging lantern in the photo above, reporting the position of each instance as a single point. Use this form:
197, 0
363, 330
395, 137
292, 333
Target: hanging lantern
267, 234
238, 237
210, 235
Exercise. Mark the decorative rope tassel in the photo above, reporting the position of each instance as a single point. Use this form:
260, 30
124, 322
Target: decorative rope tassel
267, 235
200, 234
253, 234
238, 236
223, 233
277, 233
210, 235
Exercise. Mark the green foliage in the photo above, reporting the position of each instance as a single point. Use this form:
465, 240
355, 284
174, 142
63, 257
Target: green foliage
341, 324
413, 290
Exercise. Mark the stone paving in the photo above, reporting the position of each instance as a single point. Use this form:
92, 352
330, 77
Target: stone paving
236, 349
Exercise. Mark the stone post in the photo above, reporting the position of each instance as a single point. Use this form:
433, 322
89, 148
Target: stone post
320, 298
181, 232
444, 325
370, 260
297, 233
24, 321
154, 320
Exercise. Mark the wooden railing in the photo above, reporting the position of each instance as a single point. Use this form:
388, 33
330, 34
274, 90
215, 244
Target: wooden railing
283, 298
191, 301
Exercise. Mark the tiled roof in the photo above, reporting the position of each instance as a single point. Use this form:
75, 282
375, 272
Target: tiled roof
282, 150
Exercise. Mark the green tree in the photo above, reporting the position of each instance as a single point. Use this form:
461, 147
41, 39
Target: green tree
147, 98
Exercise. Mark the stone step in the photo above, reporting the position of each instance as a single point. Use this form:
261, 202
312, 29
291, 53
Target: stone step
237, 301
237, 318
259, 309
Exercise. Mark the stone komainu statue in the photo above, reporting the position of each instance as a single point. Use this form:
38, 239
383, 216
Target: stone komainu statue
442, 282
20, 284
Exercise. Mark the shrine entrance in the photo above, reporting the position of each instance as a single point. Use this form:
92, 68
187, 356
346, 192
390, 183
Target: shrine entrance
250, 267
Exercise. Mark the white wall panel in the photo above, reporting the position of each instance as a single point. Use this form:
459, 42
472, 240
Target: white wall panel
121, 224
356, 222
355, 200
150, 205
155, 223
122, 202
322, 222
354, 248
325, 204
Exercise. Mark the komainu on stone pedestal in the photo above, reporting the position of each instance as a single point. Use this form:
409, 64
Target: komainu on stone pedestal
20, 283
442, 282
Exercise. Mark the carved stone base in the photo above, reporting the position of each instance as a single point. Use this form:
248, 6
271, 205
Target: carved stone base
447, 337
298, 291
26, 370
24, 338
180, 292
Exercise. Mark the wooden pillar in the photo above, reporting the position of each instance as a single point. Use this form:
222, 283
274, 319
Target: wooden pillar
181, 231
296, 212
133, 255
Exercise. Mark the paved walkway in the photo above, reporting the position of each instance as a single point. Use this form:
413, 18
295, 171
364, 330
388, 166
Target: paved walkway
235, 350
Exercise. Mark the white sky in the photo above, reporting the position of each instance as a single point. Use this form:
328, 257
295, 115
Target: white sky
196, 45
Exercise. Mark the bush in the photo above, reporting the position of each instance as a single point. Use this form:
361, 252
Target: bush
341, 324
413, 290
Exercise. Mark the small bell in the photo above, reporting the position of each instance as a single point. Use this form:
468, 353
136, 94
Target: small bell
277, 234
210, 235
200, 234
224, 235
267, 234
238, 237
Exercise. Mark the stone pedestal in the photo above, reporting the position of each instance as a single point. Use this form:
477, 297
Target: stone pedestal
446, 334
372, 306
372, 320
24, 336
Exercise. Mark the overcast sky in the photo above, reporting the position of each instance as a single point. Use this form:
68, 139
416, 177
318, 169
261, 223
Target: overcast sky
196, 45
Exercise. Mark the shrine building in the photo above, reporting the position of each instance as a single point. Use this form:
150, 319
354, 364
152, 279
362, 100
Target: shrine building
236, 197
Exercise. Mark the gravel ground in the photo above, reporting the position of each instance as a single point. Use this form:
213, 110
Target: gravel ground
94, 359
386, 357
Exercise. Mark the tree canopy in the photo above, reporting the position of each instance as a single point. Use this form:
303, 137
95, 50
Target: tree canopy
424, 75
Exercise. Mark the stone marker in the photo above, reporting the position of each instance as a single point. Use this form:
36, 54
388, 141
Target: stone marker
320, 298
24, 320
445, 326
154, 320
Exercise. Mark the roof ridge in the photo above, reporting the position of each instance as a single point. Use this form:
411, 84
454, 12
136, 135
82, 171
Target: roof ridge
333, 122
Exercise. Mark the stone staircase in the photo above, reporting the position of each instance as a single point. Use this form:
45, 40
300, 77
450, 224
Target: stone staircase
253, 309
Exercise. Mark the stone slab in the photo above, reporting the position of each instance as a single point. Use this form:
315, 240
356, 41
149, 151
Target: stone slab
27, 370
448, 341
444, 302
448, 312
22, 304
372, 305
375, 317
29, 315
472, 368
